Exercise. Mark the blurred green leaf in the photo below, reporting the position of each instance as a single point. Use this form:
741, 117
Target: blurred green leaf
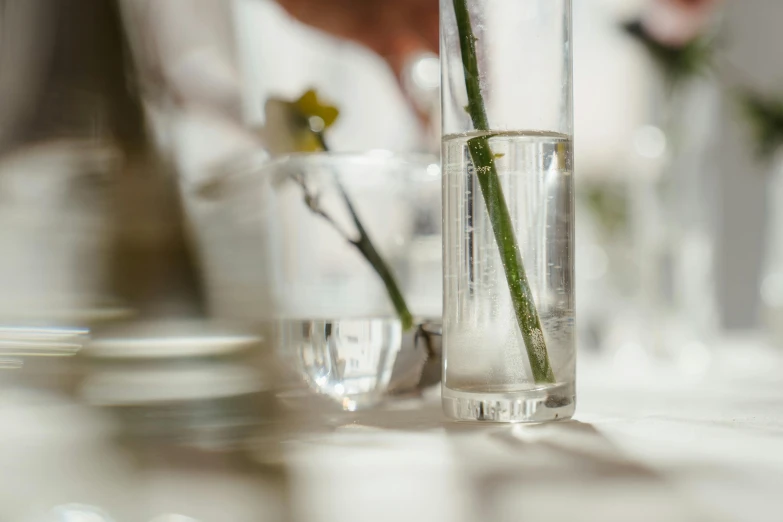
609, 206
678, 63
765, 117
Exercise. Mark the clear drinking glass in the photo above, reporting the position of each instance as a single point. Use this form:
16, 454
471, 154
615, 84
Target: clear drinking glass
275, 240
508, 210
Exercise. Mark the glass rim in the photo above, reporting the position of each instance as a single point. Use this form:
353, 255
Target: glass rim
259, 160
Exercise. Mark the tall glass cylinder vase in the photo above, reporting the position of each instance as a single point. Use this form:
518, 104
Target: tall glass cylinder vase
508, 210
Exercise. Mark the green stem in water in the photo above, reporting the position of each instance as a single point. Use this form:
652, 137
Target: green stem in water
491, 190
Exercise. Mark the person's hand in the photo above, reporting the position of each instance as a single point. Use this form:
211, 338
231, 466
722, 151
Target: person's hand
394, 29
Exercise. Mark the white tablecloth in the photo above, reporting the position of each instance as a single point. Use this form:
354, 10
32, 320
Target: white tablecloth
650, 442
653, 443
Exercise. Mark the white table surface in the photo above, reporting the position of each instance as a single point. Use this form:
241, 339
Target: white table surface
649, 442
703, 442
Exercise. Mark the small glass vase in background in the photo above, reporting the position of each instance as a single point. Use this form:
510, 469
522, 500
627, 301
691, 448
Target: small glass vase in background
508, 324
772, 267
674, 228
275, 242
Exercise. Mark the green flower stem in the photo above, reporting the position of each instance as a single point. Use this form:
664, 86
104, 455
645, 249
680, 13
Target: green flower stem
491, 190
365, 245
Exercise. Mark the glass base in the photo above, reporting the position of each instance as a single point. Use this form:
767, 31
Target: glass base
551, 403
349, 360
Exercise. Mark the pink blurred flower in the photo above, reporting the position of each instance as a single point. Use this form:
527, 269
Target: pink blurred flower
675, 23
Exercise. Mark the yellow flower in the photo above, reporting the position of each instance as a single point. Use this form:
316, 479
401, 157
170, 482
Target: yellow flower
297, 126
